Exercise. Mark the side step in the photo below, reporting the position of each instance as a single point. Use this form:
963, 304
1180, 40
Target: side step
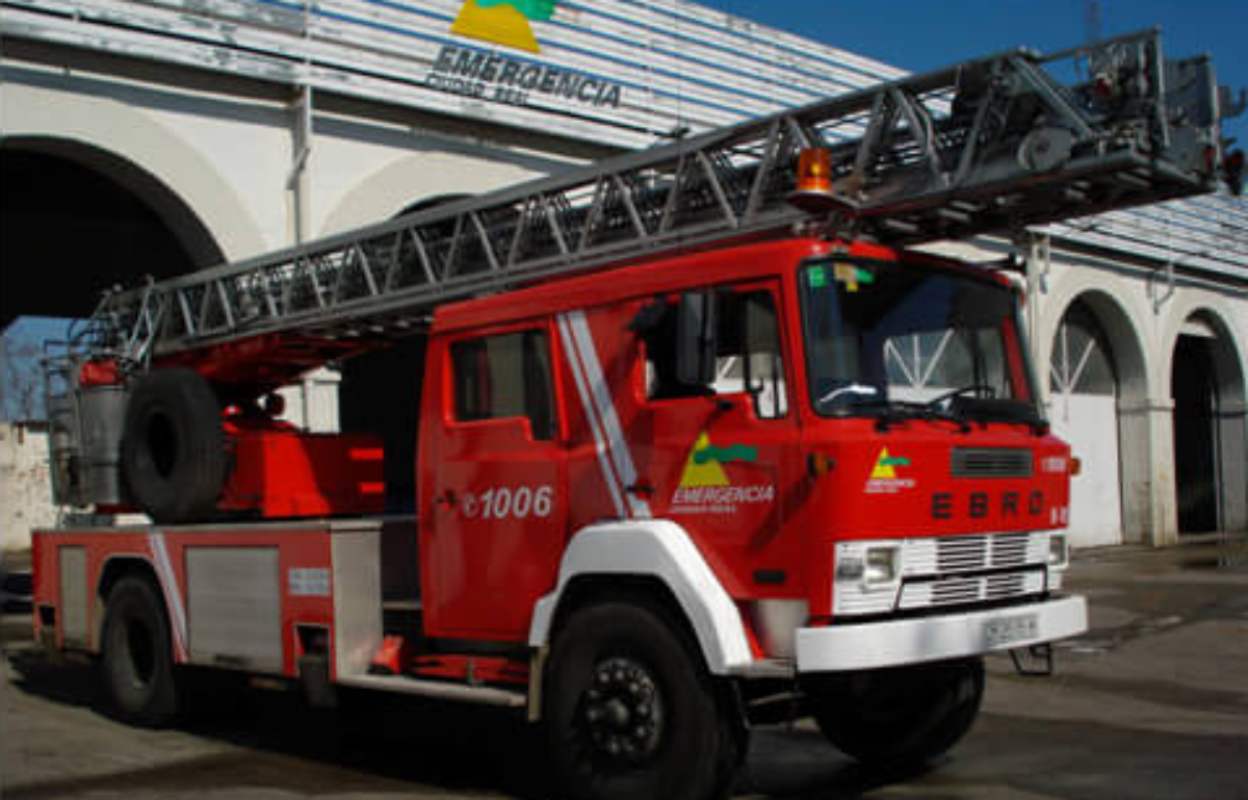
484, 695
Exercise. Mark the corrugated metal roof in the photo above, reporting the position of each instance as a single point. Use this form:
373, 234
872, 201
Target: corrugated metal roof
618, 72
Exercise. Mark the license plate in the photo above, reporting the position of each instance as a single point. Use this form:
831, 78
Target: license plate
1006, 630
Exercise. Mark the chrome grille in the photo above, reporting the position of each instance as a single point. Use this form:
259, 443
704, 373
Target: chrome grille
958, 591
970, 553
951, 570
1009, 549
990, 462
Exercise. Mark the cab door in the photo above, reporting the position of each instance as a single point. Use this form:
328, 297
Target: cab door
496, 486
723, 457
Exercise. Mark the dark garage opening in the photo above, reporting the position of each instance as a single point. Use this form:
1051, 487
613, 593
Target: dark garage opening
380, 394
1194, 390
76, 220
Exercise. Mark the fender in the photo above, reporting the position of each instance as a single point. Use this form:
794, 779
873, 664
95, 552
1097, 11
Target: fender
660, 549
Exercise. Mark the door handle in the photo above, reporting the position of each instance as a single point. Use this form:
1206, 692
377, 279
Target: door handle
641, 488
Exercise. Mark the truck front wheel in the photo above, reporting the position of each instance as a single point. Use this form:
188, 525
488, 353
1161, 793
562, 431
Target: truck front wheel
631, 712
904, 715
137, 665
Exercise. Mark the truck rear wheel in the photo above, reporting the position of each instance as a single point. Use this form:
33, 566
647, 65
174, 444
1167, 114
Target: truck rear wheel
173, 447
905, 715
137, 664
631, 713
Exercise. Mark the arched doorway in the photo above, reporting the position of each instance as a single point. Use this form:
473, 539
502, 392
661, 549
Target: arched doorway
1083, 383
78, 220
1207, 387
1098, 404
380, 394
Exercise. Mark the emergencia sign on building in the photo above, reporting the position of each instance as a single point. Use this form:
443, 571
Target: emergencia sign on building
492, 75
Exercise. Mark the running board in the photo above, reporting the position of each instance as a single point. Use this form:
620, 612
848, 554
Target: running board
483, 695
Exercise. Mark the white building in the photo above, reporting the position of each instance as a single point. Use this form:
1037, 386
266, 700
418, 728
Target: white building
160, 136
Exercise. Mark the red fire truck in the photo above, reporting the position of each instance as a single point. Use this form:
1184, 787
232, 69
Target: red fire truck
701, 442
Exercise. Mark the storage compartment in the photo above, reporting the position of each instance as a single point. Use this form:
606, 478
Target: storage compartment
288, 473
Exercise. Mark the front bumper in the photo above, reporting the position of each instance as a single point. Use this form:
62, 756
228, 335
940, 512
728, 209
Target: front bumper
871, 645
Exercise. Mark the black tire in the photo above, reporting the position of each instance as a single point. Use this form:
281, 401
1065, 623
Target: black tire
136, 666
901, 716
620, 678
173, 447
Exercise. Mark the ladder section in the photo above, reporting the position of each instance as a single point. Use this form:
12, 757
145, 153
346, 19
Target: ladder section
988, 145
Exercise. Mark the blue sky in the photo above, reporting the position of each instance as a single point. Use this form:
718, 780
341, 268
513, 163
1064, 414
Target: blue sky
926, 34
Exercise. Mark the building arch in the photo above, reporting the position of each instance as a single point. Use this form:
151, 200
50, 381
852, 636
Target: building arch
137, 150
410, 180
1205, 364
1099, 387
79, 219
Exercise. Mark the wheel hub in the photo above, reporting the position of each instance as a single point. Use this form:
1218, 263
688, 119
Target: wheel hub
622, 711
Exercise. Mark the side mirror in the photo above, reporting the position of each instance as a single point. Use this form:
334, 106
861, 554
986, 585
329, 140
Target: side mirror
696, 345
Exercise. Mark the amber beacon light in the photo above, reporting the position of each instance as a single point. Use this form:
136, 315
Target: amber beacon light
814, 180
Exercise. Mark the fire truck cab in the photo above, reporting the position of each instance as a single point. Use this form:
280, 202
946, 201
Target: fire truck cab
810, 459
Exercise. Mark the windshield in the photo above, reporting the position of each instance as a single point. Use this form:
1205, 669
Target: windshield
886, 335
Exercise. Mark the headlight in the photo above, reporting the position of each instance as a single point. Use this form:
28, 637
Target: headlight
881, 564
868, 576
1059, 554
848, 567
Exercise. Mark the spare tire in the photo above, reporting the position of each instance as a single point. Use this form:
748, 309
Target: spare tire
173, 447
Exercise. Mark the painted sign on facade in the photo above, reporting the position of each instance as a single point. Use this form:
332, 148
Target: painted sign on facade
504, 78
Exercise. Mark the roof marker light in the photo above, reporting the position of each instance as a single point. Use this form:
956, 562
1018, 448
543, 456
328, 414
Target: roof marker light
813, 190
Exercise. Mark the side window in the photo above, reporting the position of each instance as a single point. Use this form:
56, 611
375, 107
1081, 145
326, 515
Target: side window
656, 323
505, 376
748, 354
749, 357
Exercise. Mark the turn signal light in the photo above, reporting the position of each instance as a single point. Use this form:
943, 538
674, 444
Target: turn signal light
818, 465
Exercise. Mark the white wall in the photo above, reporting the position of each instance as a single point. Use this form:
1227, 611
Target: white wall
313, 403
25, 485
230, 157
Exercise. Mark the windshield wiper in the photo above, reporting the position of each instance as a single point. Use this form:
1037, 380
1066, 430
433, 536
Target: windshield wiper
976, 388
990, 408
900, 410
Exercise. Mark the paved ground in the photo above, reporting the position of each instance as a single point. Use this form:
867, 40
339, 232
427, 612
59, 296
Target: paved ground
1151, 703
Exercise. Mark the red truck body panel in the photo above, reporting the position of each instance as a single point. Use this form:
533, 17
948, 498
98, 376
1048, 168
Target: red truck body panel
297, 546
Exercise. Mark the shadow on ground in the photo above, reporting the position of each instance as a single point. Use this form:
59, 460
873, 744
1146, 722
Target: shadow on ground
385, 743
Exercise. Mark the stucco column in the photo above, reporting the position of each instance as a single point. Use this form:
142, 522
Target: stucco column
1232, 445
1149, 515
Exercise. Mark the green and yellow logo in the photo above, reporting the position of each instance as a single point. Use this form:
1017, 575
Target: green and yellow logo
504, 22
884, 478
705, 487
886, 465
704, 467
